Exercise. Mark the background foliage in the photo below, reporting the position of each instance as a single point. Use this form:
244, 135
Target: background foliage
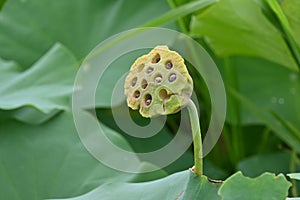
255, 44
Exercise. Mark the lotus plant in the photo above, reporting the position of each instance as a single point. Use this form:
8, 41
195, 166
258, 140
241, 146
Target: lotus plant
159, 84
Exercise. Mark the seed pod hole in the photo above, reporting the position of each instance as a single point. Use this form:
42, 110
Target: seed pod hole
158, 78
172, 77
144, 84
163, 94
169, 64
156, 58
133, 82
140, 67
149, 70
136, 94
148, 99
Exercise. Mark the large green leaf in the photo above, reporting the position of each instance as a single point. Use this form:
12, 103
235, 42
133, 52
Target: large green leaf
267, 186
278, 162
240, 28
200, 188
268, 94
37, 93
294, 176
269, 86
49, 161
182, 185
29, 28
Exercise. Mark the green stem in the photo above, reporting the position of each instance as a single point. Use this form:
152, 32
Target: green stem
179, 12
196, 137
264, 140
293, 170
180, 21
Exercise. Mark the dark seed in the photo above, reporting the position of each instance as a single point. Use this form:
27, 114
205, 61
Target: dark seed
148, 99
148, 102
172, 77
133, 83
158, 79
149, 70
144, 84
137, 94
156, 58
169, 65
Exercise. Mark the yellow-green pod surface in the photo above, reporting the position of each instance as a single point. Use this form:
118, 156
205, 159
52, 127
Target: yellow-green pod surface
158, 83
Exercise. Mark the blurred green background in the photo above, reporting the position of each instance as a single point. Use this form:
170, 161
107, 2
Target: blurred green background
255, 44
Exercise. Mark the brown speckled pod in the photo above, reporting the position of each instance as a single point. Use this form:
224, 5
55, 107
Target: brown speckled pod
158, 83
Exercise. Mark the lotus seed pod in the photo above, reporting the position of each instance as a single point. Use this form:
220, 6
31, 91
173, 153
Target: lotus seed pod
158, 83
